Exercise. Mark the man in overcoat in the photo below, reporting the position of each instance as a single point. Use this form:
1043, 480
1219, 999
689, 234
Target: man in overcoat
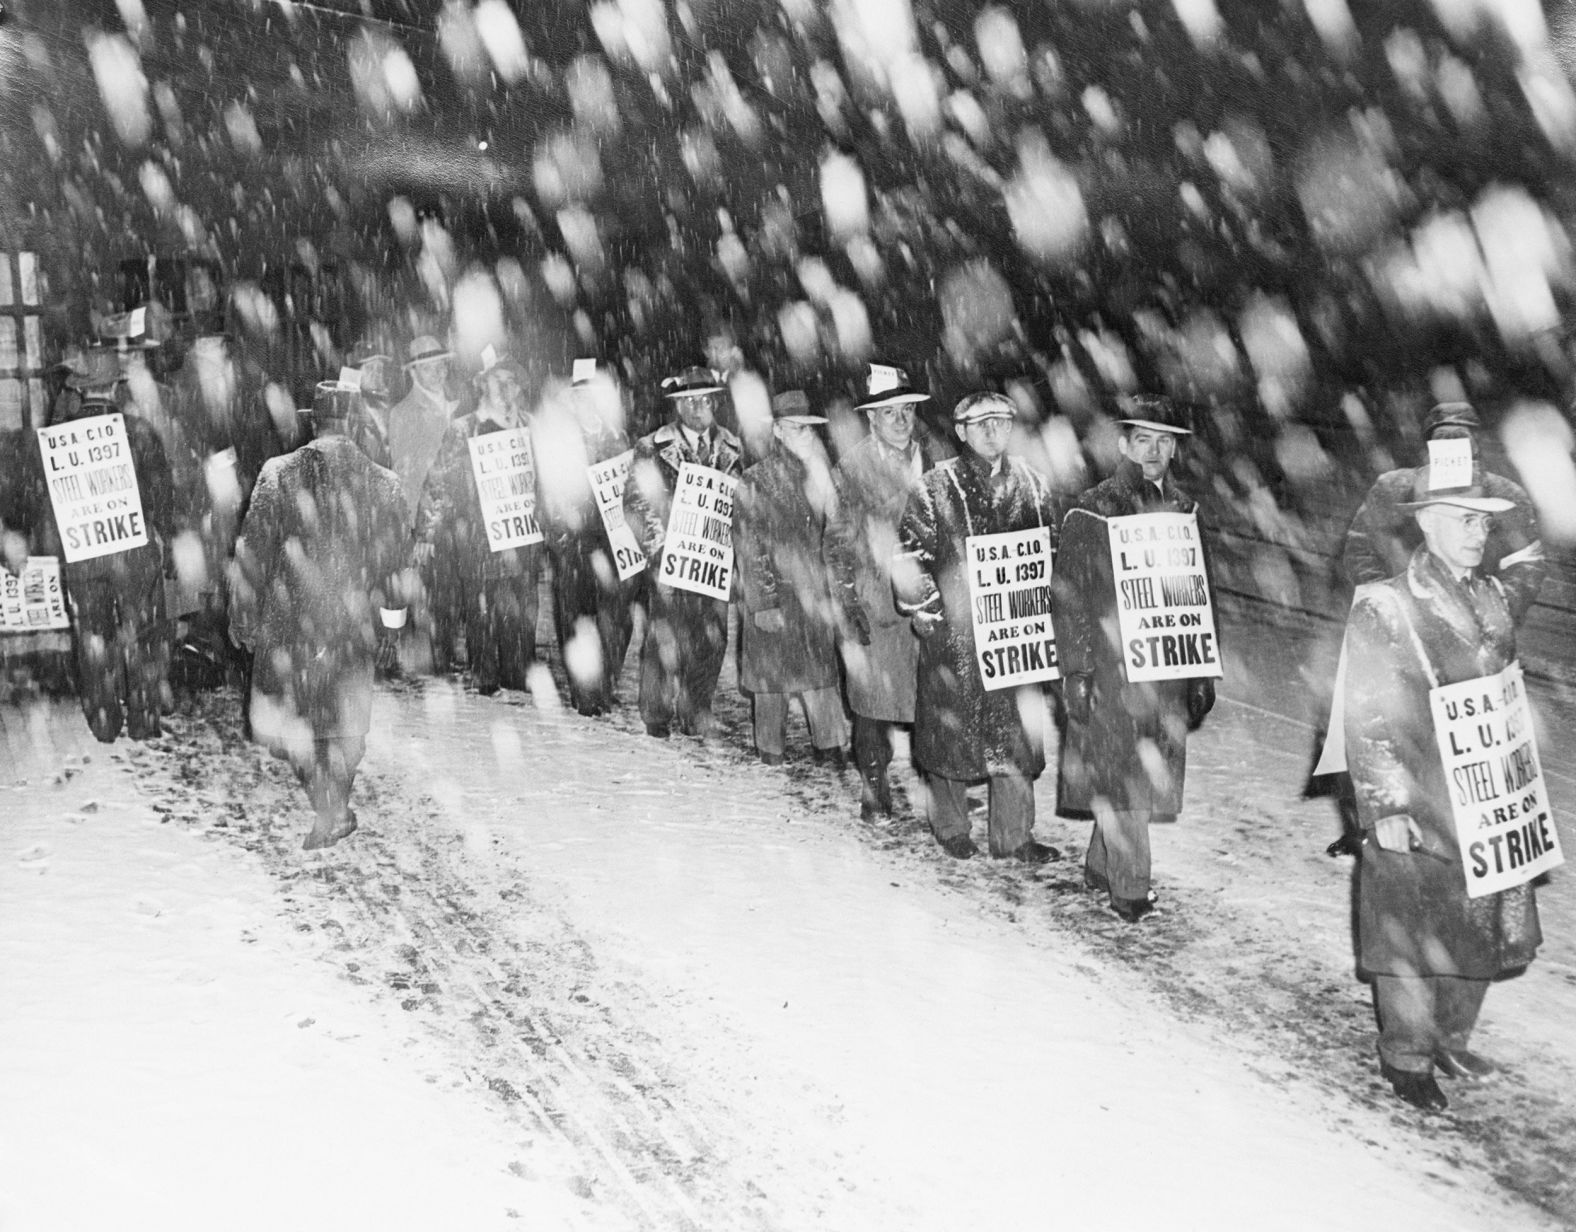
574, 428
321, 549
964, 733
119, 626
686, 633
418, 423
790, 608
1383, 535
496, 593
1429, 948
880, 651
1124, 751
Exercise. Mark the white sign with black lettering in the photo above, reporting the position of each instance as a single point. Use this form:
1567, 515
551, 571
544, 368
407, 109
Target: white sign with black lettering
506, 488
93, 486
607, 481
33, 599
1449, 464
1164, 608
1010, 601
697, 553
1495, 781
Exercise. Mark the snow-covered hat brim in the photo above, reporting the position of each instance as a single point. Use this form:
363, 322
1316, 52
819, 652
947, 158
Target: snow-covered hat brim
1157, 426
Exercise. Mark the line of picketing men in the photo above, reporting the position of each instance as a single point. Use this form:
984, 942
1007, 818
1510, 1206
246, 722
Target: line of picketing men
926, 572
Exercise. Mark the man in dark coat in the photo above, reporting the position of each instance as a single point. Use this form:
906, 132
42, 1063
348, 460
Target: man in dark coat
497, 593
686, 632
790, 611
1383, 535
1429, 947
321, 549
1124, 752
574, 428
964, 732
118, 621
880, 653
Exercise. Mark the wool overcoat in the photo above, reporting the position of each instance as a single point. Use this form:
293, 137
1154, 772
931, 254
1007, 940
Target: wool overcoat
1132, 751
320, 550
873, 486
779, 546
1404, 636
961, 729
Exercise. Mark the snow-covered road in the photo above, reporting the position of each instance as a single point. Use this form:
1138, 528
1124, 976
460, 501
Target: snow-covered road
569, 976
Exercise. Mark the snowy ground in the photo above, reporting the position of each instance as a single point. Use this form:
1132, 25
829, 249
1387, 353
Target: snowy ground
570, 977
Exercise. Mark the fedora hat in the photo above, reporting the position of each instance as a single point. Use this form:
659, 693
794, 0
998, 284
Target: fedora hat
692, 381
793, 406
888, 385
1158, 413
426, 349
1470, 496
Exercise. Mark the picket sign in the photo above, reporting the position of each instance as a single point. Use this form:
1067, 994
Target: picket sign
1165, 610
93, 486
607, 481
505, 475
698, 550
1494, 779
1010, 603
33, 599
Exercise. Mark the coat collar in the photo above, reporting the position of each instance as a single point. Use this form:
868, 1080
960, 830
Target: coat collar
1130, 476
722, 450
1473, 609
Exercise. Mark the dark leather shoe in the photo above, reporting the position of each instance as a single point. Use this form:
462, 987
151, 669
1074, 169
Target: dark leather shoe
1033, 852
959, 846
658, 731
772, 759
1465, 1066
1131, 910
1419, 1090
1348, 844
1096, 881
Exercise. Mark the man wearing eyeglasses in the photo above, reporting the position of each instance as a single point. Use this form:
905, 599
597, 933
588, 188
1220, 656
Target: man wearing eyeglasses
965, 732
1428, 946
880, 652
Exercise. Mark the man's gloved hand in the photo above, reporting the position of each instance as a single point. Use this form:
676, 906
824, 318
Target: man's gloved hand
1398, 833
1078, 696
770, 621
1200, 700
926, 623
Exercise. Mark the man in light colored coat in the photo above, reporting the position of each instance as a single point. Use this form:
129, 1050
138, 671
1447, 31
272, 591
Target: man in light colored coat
880, 652
417, 424
790, 616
